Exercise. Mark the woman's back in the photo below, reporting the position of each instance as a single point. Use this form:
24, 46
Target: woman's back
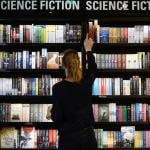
76, 106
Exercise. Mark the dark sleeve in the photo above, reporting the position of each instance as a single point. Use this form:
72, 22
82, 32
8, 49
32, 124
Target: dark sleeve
56, 111
89, 74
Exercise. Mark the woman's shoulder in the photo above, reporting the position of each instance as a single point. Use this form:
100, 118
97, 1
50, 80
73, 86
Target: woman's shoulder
59, 84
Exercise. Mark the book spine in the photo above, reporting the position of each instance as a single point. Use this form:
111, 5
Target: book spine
33, 87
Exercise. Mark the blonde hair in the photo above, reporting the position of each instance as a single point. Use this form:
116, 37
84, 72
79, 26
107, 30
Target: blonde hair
71, 62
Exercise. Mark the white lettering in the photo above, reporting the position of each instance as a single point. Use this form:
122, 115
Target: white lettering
88, 5
3, 5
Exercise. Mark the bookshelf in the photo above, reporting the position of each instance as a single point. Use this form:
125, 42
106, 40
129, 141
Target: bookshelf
98, 48
34, 73
123, 100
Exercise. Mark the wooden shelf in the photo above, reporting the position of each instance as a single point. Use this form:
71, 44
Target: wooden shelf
27, 99
56, 47
95, 99
120, 99
123, 72
116, 126
140, 126
58, 73
38, 125
40, 20
120, 47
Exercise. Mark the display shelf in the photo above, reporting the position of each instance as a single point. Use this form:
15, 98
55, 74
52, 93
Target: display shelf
38, 125
120, 47
26, 99
120, 99
121, 21
56, 47
140, 126
123, 72
103, 125
40, 20
117, 18
59, 73
95, 99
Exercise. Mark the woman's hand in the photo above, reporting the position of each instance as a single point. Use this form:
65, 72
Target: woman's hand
88, 43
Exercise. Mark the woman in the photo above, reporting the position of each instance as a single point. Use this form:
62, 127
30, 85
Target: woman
72, 109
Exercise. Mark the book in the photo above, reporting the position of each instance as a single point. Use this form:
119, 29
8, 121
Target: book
128, 133
16, 112
53, 60
104, 35
132, 34
104, 113
27, 139
40, 33
8, 138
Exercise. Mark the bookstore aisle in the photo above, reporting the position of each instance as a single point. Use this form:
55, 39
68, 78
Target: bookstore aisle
31, 50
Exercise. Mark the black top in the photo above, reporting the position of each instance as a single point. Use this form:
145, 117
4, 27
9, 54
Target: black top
72, 107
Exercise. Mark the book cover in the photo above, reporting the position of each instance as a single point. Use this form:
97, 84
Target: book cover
8, 138
46, 110
53, 60
16, 112
104, 35
104, 113
27, 138
128, 134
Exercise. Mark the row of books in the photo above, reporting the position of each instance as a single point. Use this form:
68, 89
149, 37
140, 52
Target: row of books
112, 34
40, 33
140, 60
101, 86
102, 112
28, 86
31, 60
121, 113
24, 112
53, 60
27, 138
119, 86
126, 138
